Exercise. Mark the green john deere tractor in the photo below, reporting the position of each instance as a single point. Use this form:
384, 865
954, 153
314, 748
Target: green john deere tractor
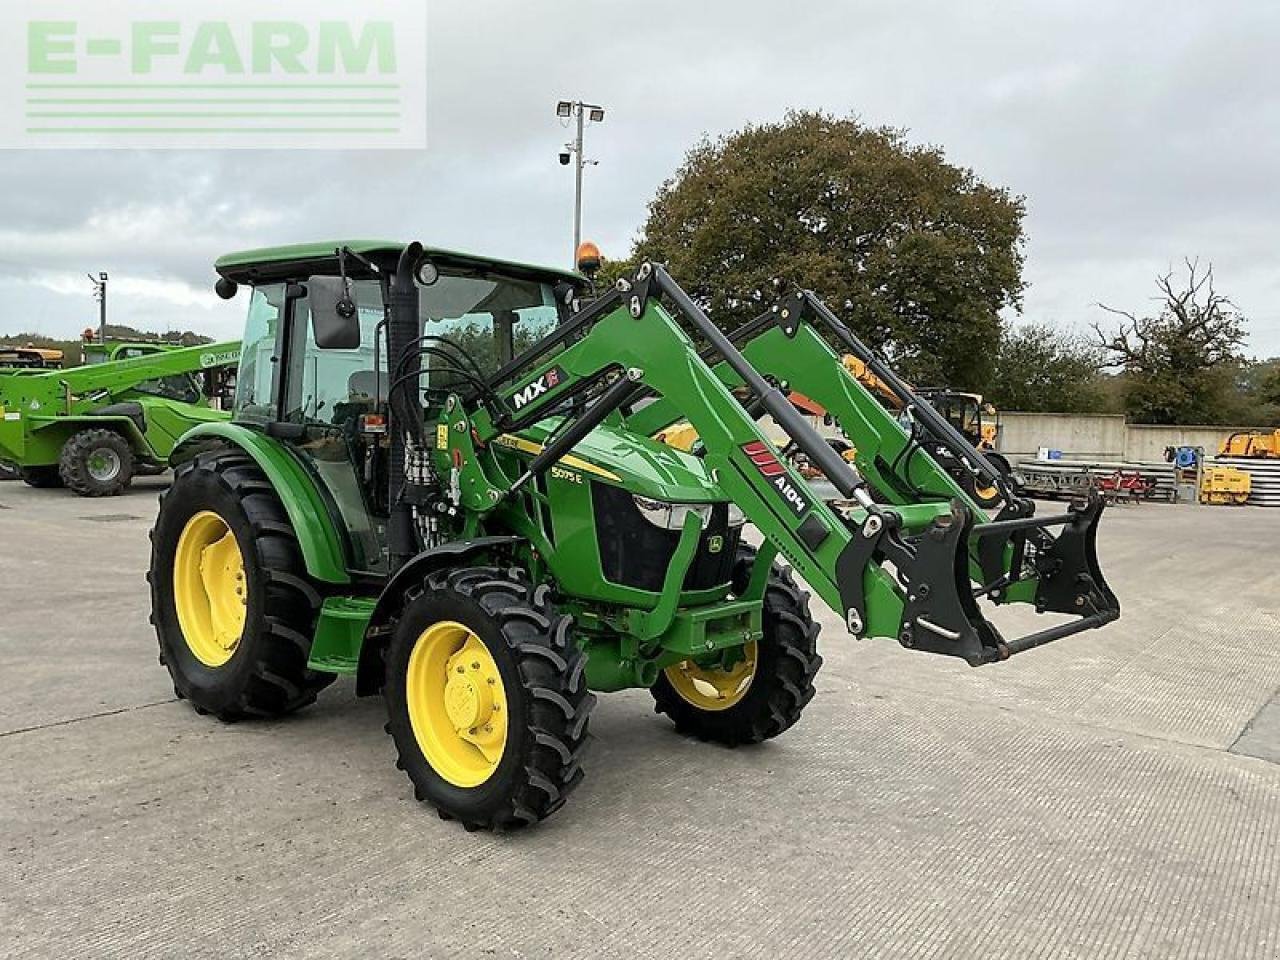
442, 478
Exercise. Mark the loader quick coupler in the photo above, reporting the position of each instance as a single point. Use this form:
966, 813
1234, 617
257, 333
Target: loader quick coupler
940, 614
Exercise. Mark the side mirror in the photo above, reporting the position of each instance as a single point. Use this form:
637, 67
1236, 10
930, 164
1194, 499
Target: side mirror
334, 317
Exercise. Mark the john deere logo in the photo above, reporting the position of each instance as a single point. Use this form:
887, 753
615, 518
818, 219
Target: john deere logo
715, 544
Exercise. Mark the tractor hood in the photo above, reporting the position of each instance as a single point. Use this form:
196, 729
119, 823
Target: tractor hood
643, 466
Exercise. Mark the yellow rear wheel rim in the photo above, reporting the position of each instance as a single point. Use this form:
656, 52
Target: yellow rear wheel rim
209, 588
457, 704
714, 688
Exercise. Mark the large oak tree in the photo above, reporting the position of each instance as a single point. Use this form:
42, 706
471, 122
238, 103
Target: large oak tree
917, 254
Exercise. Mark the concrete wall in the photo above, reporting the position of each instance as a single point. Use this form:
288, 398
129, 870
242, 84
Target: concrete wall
1101, 436
1091, 437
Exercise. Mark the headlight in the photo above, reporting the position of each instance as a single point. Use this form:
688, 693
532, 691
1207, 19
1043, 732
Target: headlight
736, 517
670, 516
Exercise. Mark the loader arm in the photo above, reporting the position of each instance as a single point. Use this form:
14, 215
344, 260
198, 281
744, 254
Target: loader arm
899, 571
1010, 562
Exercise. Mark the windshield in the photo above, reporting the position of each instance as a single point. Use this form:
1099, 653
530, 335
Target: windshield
485, 316
488, 316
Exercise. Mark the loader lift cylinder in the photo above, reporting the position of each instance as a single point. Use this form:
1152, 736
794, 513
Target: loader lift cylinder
845, 479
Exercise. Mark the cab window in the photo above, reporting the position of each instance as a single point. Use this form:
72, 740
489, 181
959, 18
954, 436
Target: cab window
179, 386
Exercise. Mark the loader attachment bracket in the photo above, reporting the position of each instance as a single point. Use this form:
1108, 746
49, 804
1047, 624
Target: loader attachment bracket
1071, 580
940, 614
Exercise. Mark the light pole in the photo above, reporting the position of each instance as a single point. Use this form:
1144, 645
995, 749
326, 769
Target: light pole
100, 294
582, 113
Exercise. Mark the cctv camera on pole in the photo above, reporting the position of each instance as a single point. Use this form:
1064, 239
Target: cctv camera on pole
582, 112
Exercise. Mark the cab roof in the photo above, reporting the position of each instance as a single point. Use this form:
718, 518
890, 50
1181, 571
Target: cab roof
298, 260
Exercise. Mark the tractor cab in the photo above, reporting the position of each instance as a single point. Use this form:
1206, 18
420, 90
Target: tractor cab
320, 372
327, 397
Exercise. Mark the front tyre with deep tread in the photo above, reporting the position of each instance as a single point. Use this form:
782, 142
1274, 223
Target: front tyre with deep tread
525, 648
263, 671
786, 661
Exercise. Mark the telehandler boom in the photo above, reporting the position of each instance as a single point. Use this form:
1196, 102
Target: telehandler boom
441, 479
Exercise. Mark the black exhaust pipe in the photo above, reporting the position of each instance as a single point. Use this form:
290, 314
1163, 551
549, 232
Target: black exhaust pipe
402, 335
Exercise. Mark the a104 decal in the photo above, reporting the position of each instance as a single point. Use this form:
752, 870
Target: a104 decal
773, 471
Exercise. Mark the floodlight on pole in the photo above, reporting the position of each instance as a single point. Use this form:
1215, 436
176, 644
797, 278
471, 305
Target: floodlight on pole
100, 294
582, 112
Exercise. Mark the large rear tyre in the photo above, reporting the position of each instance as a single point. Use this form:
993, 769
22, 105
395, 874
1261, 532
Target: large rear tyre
487, 698
96, 463
232, 606
43, 478
760, 691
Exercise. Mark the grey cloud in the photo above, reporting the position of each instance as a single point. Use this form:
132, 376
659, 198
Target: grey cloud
1140, 133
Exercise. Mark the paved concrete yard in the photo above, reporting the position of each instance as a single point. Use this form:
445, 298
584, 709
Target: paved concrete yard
1112, 795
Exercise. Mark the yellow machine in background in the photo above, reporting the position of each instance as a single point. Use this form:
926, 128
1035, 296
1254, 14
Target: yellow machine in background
977, 419
1253, 444
1225, 485
680, 435
30, 357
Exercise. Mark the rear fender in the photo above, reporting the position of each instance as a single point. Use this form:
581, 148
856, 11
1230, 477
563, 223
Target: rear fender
463, 552
121, 424
323, 545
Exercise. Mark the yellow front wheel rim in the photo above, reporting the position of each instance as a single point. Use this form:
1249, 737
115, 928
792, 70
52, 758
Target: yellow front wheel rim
714, 688
457, 704
209, 588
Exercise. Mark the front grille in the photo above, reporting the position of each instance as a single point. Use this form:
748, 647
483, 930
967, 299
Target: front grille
635, 553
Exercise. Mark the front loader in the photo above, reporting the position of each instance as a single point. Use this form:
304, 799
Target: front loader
439, 480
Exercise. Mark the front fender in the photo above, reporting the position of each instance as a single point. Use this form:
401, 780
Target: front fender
323, 547
369, 674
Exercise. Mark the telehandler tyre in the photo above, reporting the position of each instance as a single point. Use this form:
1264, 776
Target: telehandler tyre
96, 463
487, 698
42, 478
231, 603
761, 694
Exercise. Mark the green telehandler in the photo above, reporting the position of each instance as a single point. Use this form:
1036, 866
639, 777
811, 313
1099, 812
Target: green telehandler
441, 479
92, 428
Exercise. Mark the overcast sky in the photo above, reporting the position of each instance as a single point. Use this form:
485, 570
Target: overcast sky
1139, 132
